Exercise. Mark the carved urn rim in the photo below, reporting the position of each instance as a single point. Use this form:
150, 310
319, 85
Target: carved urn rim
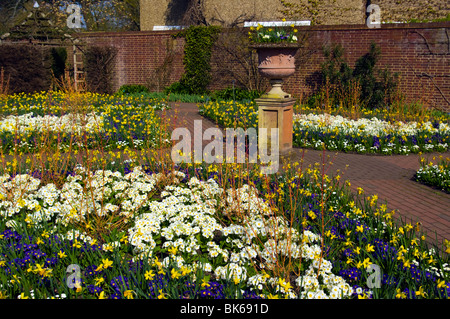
275, 45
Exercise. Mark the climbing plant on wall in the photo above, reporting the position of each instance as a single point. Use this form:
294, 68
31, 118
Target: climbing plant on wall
197, 56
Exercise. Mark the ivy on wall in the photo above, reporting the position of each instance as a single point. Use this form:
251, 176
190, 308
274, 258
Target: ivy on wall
197, 57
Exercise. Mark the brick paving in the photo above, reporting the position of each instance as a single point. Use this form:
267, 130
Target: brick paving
389, 177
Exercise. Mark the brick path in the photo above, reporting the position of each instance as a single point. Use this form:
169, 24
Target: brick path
390, 177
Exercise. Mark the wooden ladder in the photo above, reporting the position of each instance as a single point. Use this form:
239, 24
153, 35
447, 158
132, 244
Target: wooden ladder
78, 69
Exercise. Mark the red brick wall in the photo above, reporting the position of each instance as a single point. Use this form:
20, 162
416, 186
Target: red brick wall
419, 52
142, 55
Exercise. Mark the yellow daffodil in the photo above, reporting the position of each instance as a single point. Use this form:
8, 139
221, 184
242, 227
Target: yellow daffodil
161, 295
370, 248
175, 274
421, 292
441, 283
128, 294
400, 294
149, 275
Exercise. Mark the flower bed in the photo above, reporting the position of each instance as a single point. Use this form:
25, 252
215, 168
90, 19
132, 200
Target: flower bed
88, 120
181, 235
335, 132
435, 173
369, 135
149, 231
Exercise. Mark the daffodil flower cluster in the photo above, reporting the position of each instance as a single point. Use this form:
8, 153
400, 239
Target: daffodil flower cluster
369, 135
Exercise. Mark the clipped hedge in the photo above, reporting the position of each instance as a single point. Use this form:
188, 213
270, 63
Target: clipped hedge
31, 68
99, 63
28, 67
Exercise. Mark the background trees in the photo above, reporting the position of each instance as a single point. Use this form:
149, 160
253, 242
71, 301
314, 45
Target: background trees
112, 15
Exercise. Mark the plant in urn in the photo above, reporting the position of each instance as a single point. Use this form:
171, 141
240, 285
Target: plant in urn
276, 48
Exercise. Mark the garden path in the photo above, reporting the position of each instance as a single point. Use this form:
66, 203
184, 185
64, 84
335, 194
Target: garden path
389, 177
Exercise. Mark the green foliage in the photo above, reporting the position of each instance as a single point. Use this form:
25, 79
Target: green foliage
132, 89
445, 19
377, 86
236, 94
59, 58
197, 56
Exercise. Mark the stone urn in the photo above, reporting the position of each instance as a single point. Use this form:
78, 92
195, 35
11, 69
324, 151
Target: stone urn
276, 62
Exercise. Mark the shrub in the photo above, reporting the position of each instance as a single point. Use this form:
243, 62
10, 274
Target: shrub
132, 89
59, 58
27, 67
377, 87
236, 94
99, 68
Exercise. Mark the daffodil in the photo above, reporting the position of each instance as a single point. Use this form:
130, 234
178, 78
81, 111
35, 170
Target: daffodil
128, 294
175, 274
149, 275
102, 295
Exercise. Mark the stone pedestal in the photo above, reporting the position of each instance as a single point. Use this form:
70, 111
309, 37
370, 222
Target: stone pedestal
276, 113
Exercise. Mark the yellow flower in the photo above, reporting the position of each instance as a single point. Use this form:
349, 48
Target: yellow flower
22, 296
370, 248
102, 295
128, 294
407, 263
149, 275
99, 280
420, 292
366, 263
175, 274
441, 283
161, 295
185, 270
62, 254
173, 250
400, 294
205, 282
106, 263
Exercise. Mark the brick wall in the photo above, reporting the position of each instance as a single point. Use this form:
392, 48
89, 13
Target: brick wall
154, 59
419, 52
